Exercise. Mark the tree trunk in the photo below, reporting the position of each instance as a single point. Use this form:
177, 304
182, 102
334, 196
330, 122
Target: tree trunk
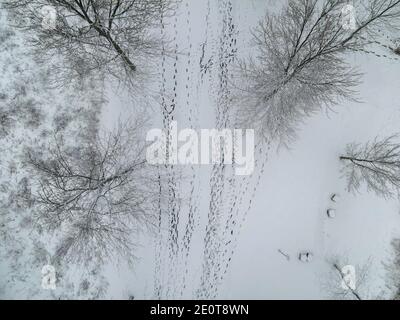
121, 52
117, 48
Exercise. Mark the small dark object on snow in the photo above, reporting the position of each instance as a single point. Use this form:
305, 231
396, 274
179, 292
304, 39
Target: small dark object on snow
284, 254
335, 197
397, 51
305, 257
331, 213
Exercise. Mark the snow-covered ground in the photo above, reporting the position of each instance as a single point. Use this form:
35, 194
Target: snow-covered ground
289, 211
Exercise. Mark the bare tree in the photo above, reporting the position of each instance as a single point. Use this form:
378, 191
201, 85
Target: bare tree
393, 271
337, 283
300, 61
375, 164
93, 35
100, 194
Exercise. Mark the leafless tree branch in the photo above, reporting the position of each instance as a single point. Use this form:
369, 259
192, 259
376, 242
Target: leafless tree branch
101, 193
375, 164
300, 62
115, 37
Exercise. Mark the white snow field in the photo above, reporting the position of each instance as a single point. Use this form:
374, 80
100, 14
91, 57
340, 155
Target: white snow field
288, 211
